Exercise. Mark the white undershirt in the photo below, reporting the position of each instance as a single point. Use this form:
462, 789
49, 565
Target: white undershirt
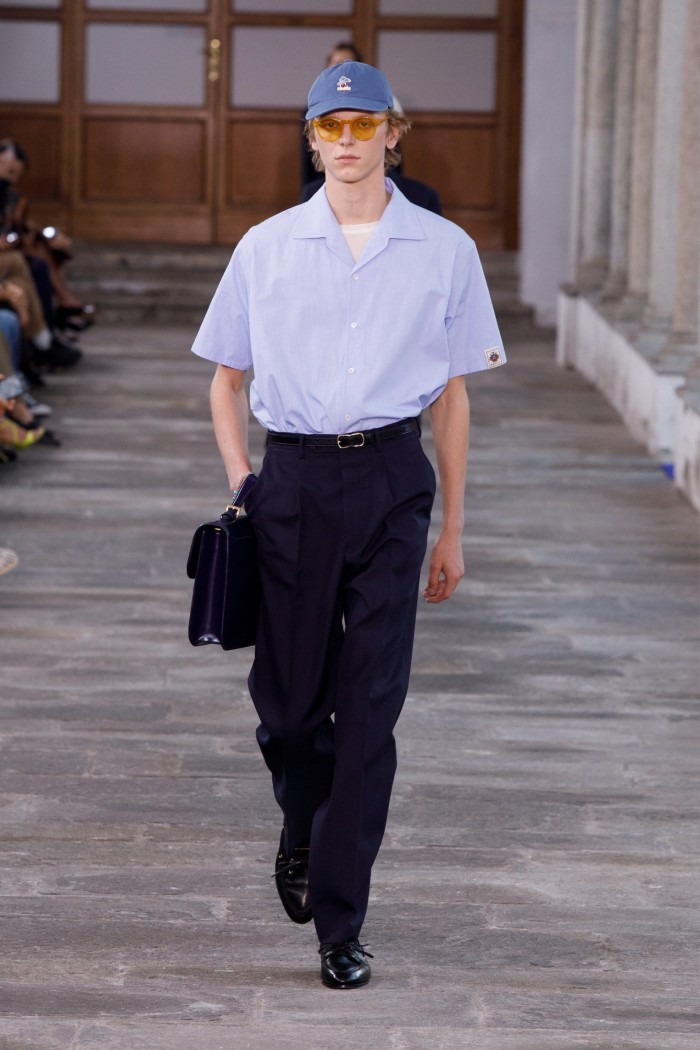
357, 236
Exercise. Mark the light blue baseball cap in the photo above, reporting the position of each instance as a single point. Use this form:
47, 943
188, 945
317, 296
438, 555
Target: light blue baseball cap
349, 85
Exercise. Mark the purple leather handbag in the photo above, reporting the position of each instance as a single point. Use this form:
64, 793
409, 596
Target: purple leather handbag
223, 564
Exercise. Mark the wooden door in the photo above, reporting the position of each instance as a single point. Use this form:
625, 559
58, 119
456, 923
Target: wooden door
455, 66
125, 149
179, 120
142, 118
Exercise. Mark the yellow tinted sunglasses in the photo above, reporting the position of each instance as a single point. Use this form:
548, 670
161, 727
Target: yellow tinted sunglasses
363, 128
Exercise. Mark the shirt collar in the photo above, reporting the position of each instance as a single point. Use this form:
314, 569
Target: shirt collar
400, 219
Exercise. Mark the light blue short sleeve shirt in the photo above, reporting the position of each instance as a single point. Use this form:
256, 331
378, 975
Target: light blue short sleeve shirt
338, 345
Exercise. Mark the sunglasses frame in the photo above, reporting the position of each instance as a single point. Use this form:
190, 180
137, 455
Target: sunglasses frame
376, 121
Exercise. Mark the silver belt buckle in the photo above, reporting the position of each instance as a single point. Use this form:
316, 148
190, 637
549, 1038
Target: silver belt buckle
350, 440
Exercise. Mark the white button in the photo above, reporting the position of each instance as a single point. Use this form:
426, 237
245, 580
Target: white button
353, 324
351, 371
348, 418
356, 277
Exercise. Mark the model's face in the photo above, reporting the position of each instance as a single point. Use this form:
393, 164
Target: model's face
10, 167
350, 160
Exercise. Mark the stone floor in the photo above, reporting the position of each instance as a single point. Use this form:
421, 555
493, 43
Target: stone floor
538, 886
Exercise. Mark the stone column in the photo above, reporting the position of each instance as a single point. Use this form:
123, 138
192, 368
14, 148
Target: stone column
621, 181
685, 306
583, 20
642, 157
683, 338
665, 171
595, 156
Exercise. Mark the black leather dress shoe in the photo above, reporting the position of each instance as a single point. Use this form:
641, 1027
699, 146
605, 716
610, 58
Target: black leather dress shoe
292, 881
344, 965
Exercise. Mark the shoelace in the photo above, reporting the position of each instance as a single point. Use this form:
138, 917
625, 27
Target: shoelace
352, 946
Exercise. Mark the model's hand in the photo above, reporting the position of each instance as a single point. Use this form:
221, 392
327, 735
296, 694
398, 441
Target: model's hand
446, 568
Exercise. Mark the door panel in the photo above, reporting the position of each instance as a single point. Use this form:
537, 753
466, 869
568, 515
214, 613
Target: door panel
272, 66
158, 162
309, 7
426, 69
30, 61
471, 8
145, 65
41, 138
150, 5
144, 125
31, 3
467, 159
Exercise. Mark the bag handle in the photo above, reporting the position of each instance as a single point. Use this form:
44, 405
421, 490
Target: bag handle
240, 492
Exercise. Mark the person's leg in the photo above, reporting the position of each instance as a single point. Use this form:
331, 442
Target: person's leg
341, 537
51, 349
42, 282
12, 332
388, 499
296, 509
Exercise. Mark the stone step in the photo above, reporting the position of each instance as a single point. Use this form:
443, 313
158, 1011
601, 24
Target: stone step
165, 283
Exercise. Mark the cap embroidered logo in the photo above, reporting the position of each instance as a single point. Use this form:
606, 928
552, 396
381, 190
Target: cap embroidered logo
344, 84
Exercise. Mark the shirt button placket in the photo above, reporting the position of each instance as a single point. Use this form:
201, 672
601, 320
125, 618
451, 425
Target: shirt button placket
351, 371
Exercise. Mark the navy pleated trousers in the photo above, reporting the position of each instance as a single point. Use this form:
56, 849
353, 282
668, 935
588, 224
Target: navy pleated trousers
341, 535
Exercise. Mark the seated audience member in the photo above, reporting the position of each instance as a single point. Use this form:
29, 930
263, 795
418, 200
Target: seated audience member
45, 246
12, 435
11, 359
19, 427
18, 292
10, 341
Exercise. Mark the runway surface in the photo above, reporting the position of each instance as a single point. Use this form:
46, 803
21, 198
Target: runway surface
538, 886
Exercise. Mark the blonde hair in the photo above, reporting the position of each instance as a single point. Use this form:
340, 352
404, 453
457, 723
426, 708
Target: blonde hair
392, 157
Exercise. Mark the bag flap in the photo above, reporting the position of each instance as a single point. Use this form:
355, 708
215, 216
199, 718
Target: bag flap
228, 522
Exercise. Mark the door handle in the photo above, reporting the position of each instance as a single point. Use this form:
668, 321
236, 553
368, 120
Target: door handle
214, 60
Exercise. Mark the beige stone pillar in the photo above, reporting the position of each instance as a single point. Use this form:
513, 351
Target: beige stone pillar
621, 178
683, 338
666, 163
685, 307
595, 154
642, 152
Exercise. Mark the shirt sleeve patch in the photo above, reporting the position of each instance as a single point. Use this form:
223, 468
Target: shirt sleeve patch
494, 357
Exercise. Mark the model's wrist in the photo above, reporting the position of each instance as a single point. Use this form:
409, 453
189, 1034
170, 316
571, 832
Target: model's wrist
237, 486
235, 477
452, 528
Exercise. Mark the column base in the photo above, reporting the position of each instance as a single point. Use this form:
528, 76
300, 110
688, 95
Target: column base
687, 452
641, 375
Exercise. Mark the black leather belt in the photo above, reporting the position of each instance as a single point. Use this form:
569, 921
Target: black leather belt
355, 439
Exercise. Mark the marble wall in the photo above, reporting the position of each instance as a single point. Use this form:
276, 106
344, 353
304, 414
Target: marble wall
628, 319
